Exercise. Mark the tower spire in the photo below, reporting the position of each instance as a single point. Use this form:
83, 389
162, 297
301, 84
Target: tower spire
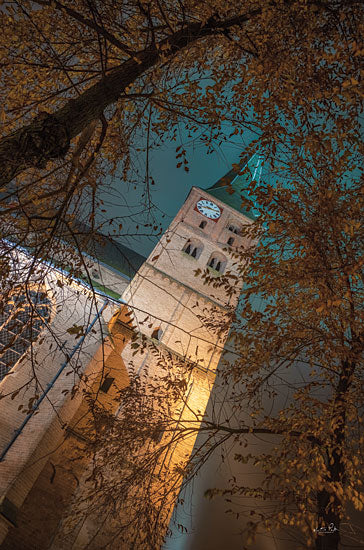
233, 187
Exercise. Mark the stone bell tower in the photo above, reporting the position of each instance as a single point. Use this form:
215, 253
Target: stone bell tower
170, 303
169, 288
181, 324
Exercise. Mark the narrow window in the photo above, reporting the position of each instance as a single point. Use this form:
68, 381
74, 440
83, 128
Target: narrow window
230, 241
203, 224
212, 262
21, 322
194, 253
188, 249
158, 434
157, 333
106, 385
218, 265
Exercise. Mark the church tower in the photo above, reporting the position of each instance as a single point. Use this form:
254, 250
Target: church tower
169, 287
179, 303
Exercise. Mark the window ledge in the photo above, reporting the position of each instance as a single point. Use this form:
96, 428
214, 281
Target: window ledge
214, 272
188, 255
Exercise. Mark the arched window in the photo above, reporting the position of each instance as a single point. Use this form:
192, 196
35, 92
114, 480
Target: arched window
233, 228
203, 224
230, 241
217, 262
193, 248
21, 321
157, 333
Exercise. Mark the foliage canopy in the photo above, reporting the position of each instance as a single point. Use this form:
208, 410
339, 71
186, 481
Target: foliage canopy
84, 80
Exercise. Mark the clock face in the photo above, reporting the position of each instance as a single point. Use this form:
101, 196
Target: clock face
208, 209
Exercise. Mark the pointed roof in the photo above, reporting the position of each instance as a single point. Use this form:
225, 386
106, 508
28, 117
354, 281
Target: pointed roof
232, 187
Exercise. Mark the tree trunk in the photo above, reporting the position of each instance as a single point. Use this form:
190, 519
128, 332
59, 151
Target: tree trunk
328, 510
48, 136
328, 541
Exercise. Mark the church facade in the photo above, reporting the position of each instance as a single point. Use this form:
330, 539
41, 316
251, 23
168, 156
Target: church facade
96, 332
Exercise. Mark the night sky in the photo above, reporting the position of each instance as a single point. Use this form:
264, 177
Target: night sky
171, 188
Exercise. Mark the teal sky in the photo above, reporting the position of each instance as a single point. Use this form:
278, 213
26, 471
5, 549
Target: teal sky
172, 185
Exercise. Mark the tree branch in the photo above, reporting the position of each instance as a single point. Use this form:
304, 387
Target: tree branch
49, 137
87, 23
